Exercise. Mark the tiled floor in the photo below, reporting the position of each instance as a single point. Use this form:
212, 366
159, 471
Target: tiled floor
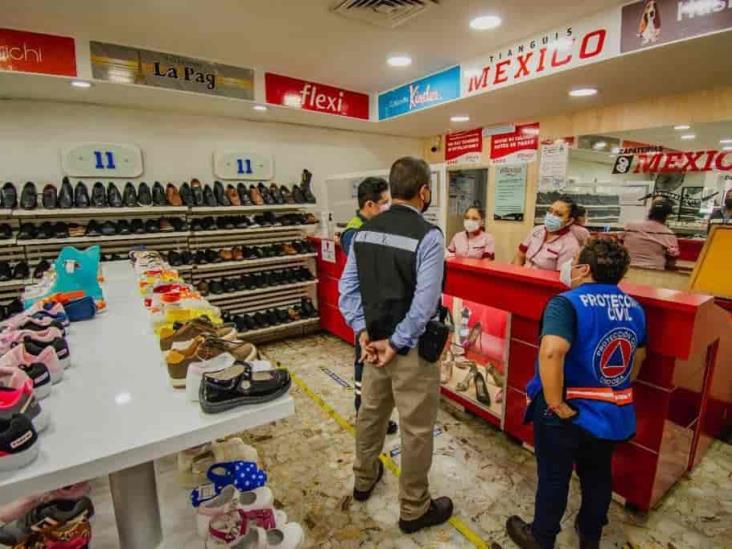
309, 456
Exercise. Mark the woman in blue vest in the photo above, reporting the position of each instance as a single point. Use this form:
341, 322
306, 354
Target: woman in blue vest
592, 343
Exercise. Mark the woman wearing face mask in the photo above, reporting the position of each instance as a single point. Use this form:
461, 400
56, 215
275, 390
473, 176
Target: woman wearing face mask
474, 241
548, 246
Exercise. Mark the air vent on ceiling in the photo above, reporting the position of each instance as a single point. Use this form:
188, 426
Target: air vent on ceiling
382, 13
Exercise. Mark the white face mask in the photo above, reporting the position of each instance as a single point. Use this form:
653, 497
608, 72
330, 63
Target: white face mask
565, 273
471, 225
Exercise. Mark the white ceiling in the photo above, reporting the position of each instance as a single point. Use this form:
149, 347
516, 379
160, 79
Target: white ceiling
300, 38
708, 136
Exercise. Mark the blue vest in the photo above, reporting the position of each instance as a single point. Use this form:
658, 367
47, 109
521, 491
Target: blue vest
597, 368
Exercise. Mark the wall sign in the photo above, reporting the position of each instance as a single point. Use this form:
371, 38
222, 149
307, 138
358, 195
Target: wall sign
591, 40
553, 165
516, 147
425, 92
510, 193
464, 147
34, 52
653, 22
243, 166
164, 70
102, 160
328, 250
312, 96
678, 162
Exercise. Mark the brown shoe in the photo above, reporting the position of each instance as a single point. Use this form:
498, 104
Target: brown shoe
237, 253
172, 195
191, 330
233, 195
165, 226
202, 287
204, 348
255, 195
178, 360
226, 254
310, 218
293, 314
288, 249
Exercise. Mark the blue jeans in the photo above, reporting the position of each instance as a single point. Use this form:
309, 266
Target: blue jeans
560, 445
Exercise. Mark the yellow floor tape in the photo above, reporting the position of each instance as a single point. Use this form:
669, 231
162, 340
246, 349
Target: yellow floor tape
389, 463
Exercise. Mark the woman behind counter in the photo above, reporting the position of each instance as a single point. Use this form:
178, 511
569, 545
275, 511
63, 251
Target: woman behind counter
474, 241
549, 246
650, 243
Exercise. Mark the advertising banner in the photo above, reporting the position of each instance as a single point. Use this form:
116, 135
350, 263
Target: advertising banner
312, 96
34, 52
164, 70
516, 147
425, 92
653, 22
510, 193
464, 147
588, 41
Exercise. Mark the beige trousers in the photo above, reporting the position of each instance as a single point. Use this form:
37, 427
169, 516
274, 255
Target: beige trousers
413, 385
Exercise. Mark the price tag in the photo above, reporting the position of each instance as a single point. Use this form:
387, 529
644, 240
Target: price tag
102, 160
327, 250
241, 165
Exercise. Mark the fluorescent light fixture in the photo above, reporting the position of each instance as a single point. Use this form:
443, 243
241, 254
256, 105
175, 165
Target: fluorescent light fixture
681, 127
688, 136
260, 108
292, 100
459, 118
599, 145
81, 84
583, 92
485, 22
399, 60
725, 141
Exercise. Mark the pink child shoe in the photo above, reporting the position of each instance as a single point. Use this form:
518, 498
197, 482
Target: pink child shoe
19, 357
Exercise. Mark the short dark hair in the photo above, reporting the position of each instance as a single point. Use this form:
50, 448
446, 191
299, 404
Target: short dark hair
608, 259
371, 188
481, 211
661, 209
573, 207
581, 211
407, 176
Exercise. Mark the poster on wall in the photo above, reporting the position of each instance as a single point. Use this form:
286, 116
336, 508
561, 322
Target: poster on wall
510, 193
464, 147
125, 65
425, 92
651, 23
313, 96
23, 51
553, 165
516, 147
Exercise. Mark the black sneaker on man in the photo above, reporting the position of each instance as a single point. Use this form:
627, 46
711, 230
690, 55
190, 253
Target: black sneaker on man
363, 495
439, 512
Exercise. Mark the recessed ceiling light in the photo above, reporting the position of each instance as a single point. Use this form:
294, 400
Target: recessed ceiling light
599, 145
81, 84
725, 141
583, 92
682, 127
727, 148
399, 61
260, 108
459, 118
688, 136
485, 22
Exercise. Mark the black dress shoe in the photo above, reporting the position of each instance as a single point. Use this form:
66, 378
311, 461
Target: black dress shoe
520, 533
158, 195
92, 228
123, 227
108, 228
220, 194
6, 231
240, 324
243, 191
186, 195
274, 190
27, 231
98, 196
305, 186
174, 259
144, 196
216, 287
186, 257
9, 196
21, 271
136, 226
49, 198
212, 256
260, 320
297, 195
282, 316
241, 222
266, 195
197, 191
249, 322
209, 199
29, 196
439, 512
199, 258
114, 198
228, 285
363, 495
41, 268
60, 230
196, 225
66, 194
152, 226
45, 230
208, 223
81, 196
272, 317
129, 198
6, 272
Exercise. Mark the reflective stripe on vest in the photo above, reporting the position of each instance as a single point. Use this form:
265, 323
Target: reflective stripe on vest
605, 394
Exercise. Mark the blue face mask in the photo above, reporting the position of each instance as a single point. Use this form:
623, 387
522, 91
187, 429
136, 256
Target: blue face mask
552, 222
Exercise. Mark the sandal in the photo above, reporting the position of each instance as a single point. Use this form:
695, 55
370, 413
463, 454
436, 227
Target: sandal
446, 367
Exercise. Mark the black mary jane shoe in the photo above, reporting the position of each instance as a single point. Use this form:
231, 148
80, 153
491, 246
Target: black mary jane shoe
240, 385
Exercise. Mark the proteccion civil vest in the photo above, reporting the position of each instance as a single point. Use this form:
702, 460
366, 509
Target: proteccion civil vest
597, 368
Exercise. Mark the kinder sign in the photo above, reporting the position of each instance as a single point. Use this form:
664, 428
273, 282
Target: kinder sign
312, 96
519, 146
594, 39
678, 161
34, 52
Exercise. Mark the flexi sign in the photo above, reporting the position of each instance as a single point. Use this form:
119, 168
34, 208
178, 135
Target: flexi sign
312, 96
591, 40
679, 162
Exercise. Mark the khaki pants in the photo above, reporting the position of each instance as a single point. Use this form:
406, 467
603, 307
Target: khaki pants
413, 384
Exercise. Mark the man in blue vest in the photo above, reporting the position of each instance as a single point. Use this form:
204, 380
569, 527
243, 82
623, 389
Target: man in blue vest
592, 344
373, 199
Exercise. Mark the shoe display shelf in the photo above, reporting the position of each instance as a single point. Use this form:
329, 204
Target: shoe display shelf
115, 414
227, 210
76, 213
494, 387
13, 288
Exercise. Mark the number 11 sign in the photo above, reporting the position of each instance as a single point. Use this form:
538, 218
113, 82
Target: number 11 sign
240, 165
103, 160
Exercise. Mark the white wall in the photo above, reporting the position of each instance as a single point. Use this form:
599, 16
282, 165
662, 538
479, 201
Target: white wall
179, 147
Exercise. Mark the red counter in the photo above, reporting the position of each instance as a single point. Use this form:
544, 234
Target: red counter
677, 419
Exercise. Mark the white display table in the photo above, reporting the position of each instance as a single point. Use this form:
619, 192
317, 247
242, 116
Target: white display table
115, 412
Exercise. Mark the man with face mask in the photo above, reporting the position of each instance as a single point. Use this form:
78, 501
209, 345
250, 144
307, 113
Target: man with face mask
373, 199
593, 340
390, 290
